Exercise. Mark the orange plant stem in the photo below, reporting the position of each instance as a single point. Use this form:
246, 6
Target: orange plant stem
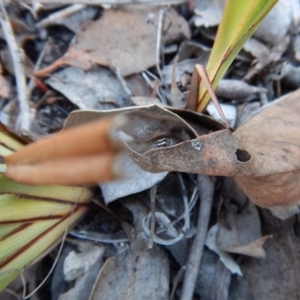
67, 171
88, 139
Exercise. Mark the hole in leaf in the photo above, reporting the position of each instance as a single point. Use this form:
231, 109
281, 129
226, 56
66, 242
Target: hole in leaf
242, 155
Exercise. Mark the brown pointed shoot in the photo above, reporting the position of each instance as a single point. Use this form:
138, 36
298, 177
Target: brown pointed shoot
86, 154
199, 74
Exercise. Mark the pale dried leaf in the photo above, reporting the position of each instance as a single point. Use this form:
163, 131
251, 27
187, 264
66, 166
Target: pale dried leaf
275, 277
290, 75
4, 88
97, 88
254, 249
73, 21
228, 110
239, 230
138, 273
125, 37
137, 181
275, 26
208, 13
138, 86
257, 49
143, 101
236, 89
185, 66
226, 259
84, 268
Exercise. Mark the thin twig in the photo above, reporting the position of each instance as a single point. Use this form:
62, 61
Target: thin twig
146, 74
186, 212
12, 293
204, 77
206, 190
164, 220
153, 192
122, 81
160, 28
159, 47
191, 204
32, 84
176, 281
97, 237
63, 13
18, 57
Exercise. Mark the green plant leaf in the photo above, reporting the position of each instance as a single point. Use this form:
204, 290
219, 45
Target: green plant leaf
239, 22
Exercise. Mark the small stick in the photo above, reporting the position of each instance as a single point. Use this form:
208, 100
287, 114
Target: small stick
202, 72
122, 81
185, 199
63, 13
194, 91
158, 53
32, 83
18, 58
153, 192
206, 190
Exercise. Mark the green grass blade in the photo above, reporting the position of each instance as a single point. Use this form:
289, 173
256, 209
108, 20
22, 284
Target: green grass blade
63, 193
34, 243
239, 22
16, 208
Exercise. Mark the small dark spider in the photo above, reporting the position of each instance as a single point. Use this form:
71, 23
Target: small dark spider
164, 142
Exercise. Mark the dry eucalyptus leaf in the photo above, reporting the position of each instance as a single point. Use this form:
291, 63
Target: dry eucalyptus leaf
275, 26
239, 229
262, 156
236, 89
97, 88
134, 275
208, 13
269, 60
228, 110
226, 259
143, 101
84, 268
275, 277
257, 49
213, 278
264, 162
126, 37
73, 21
137, 181
297, 47
290, 75
246, 111
184, 66
139, 272
190, 48
138, 86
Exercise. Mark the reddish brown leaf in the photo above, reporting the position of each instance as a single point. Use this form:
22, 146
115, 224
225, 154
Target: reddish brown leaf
262, 155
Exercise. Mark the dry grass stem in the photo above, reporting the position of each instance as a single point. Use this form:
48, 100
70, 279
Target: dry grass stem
18, 57
206, 190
